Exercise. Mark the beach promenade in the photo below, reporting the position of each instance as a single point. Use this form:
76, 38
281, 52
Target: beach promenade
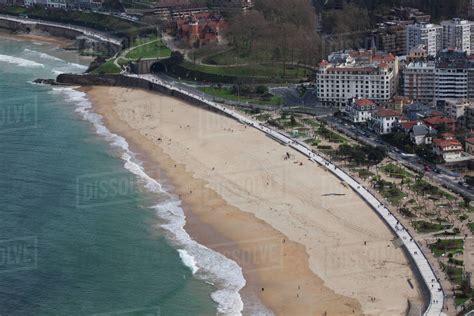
85, 31
424, 268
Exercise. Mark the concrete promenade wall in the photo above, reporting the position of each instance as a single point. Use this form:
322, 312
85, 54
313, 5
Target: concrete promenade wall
126, 82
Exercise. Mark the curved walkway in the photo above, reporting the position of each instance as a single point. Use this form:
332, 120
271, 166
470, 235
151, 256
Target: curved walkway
86, 31
435, 305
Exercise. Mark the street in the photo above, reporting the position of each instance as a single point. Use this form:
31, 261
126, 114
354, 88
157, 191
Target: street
412, 162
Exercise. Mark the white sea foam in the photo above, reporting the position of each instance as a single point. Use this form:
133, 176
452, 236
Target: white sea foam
42, 55
79, 66
19, 61
188, 260
206, 264
57, 72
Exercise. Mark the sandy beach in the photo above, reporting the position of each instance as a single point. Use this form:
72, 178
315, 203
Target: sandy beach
37, 37
307, 244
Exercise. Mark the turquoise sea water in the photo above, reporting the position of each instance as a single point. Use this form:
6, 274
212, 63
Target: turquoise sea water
78, 232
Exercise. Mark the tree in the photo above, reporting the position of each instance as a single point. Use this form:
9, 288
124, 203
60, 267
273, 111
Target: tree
292, 121
261, 89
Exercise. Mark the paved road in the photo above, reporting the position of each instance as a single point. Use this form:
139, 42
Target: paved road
446, 180
86, 31
426, 271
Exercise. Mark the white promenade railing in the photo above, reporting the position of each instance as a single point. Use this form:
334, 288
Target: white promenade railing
86, 31
426, 271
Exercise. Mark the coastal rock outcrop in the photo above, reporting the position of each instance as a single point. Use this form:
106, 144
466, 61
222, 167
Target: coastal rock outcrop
50, 82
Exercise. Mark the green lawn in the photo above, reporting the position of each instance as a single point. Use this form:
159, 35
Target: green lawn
364, 173
454, 273
154, 49
427, 227
226, 93
396, 172
263, 117
232, 57
330, 135
107, 68
311, 122
446, 246
256, 70
312, 142
471, 227
393, 194
423, 187
406, 212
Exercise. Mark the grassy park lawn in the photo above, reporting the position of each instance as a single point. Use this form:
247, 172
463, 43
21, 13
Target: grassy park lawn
364, 173
427, 227
232, 57
471, 227
226, 93
331, 136
406, 212
393, 194
444, 246
311, 122
423, 187
107, 68
395, 171
454, 274
152, 49
312, 142
263, 117
255, 70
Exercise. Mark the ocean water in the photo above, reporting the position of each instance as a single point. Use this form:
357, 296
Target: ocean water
83, 230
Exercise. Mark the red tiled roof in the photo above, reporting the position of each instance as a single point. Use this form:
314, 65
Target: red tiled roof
436, 113
388, 113
444, 143
323, 63
409, 124
436, 120
447, 135
364, 102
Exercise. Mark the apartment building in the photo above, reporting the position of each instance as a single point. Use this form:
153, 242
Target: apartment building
449, 76
457, 34
456, 108
391, 37
427, 34
419, 81
356, 74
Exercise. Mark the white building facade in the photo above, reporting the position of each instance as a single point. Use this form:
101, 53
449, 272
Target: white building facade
426, 34
384, 121
345, 77
457, 34
360, 110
